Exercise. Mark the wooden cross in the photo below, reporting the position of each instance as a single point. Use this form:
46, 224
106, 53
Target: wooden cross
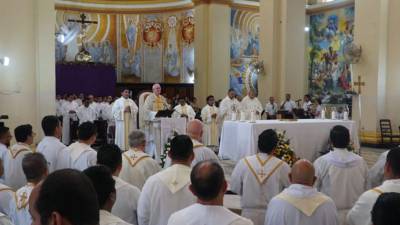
359, 84
83, 21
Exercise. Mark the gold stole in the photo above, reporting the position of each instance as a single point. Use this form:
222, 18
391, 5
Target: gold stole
126, 124
261, 176
133, 160
305, 205
16, 153
213, 128
158, 104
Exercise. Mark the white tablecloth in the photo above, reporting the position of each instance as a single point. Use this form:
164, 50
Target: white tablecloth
307, 137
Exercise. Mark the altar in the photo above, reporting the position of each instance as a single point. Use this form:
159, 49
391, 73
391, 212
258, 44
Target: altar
307, 137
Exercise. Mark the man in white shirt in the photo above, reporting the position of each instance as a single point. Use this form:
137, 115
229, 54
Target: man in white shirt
301, 203
86, 113
104, 184
34, 166
209, 186
228, 106
201, 152
168, 191
82, 155
137, 166
183, 110
250, 104
154, 102
259, 178
360, 213
209, 116
77, 205
51, 146
288, 105
342, 175
5, 141
386, 210
13, 174
125, 206
307, 106
271, 108
124, 112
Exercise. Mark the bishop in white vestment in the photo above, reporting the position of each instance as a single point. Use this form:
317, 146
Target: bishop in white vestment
301, 203
228, 106
251, 105
209, 116
154, 103
124, 111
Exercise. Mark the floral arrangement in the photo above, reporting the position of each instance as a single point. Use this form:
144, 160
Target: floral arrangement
283, 150
167, 148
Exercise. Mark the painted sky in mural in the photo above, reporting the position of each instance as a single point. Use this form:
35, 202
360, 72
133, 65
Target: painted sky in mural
329, 75
145, 48
244, 49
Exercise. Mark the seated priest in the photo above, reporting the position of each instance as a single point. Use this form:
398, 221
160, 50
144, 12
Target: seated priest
183, 110
154, 103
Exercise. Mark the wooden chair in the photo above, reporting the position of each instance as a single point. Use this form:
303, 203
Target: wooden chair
386, 131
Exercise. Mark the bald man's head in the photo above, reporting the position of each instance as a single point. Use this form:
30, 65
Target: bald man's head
303, 172
195, 129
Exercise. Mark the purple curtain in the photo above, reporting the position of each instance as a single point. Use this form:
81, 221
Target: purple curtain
96, 79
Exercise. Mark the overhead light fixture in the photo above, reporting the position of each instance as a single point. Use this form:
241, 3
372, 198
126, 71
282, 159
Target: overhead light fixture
5, 61
306, 29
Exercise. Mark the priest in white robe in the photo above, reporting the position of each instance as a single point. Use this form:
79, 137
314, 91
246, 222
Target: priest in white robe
209, 116
69, 109
168, 191
259, 178
183, 110
154, 103
228, 106
376, 172
86, 113
35, 168
201, 152
124, 111
5, 141
360, 214
209, 186
13, 174
342, 175
104, 184
250, 105
125, 206
51, 146
301, 203
137, 166
288, 105
82, 155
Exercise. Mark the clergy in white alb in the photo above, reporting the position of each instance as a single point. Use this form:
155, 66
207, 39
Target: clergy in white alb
51, 146
375, 173
69, 109
228, 106
168, 191
360, 214
5, 220
13, 174
124, 111
137, 166
125, 206
201, 152
271, 108
251, 105
86, 113
259, 178
6, 195
209, 115
288, 104
183, 110
301, 203
342, 174
154, 103
82, 155
5, 140
35, 169
209, 186
104, 184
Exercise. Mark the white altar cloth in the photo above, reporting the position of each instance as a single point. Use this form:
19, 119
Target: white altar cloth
307, 137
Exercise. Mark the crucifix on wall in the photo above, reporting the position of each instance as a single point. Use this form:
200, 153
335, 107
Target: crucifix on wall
83, 55
84, 23
359, 84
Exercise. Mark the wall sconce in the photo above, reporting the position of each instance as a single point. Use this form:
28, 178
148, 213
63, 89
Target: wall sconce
5, 61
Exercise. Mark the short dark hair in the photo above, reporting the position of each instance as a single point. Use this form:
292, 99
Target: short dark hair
208, 97
22, 132
181, 147
386, 210
207, 184
3, 131
86, 130
231, 89
49, 125
110, 156
340, 136
34, 166
393, 160
102, 181
70, 193
267, 141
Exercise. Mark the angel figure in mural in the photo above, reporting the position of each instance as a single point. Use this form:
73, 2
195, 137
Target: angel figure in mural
108, 52
131, 33
236, 43
135, 66
172, 65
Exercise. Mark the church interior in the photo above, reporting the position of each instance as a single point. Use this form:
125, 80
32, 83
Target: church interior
239, 68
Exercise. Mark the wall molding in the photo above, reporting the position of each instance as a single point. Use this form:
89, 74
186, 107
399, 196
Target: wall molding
313, 9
